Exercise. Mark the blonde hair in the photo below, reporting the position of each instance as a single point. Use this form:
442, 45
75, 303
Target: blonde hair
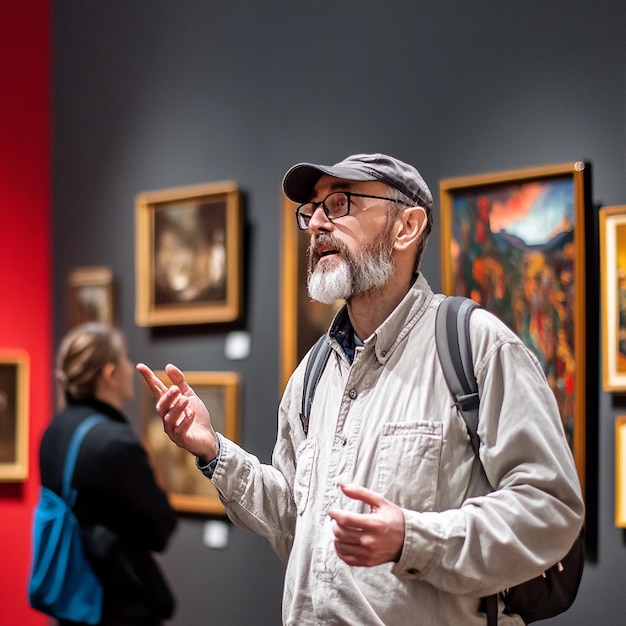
82, 354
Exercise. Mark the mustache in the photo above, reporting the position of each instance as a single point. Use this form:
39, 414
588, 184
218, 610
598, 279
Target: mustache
324, 240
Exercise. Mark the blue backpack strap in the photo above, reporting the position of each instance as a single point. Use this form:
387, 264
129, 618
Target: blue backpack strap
455, 355
72, 454
314, 368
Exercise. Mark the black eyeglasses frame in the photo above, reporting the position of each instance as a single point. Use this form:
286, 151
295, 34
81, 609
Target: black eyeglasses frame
302, 219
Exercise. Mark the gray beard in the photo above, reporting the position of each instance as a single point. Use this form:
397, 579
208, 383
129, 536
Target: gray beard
331, 285
356, 274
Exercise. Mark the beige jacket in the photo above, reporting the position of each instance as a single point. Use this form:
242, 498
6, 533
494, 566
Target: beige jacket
388, 422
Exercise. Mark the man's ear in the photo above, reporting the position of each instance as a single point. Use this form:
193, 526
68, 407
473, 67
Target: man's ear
411, 225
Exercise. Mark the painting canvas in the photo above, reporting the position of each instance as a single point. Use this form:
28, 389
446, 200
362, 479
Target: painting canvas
188, 489
514, 242
189, 255
14, 374
613, 277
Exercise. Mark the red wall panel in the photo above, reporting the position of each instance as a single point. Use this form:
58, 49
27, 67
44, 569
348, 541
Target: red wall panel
25, 272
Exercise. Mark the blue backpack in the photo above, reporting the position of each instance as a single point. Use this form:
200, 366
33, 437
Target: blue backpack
542, 597
62, 582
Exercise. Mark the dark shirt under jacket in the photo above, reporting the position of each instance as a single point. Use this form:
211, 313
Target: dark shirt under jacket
120, 507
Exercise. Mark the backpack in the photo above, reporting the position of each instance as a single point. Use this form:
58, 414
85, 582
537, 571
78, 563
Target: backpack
542, 597
62, 582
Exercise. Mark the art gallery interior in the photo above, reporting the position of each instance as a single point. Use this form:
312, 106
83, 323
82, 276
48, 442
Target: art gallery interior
104, 101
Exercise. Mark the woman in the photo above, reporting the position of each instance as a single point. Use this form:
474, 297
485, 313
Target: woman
123, 513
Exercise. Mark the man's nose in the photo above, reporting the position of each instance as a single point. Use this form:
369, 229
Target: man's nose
319, 222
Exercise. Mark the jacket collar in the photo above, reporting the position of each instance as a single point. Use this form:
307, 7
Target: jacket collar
392, 331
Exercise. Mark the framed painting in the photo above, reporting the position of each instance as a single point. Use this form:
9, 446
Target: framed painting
302, 319
189, 266
91, 296
14, 374
620, 471
515, 242
613, 284
189, 491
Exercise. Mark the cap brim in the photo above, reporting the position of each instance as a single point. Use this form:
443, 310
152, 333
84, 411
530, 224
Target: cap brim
300, 180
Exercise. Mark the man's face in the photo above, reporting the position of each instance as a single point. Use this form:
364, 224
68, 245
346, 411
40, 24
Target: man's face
352, 255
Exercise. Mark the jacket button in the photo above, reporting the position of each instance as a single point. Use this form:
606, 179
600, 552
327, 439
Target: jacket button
353, 394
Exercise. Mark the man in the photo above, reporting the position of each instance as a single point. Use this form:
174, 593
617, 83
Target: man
381, 510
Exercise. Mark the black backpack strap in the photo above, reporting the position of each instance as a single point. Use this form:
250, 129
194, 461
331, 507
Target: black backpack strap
314, 368
455, 355
491, 609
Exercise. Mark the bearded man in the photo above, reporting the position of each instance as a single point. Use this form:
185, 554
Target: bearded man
380, 507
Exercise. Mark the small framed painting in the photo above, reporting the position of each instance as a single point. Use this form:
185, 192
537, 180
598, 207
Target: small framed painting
91, 296
189, 255
14, 374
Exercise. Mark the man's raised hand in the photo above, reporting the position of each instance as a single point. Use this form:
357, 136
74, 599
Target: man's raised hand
185, 417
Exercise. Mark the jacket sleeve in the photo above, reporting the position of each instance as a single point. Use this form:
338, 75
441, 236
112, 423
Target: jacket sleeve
260, 497
535, 511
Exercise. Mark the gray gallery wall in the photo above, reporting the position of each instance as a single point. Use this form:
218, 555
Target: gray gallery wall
153, 94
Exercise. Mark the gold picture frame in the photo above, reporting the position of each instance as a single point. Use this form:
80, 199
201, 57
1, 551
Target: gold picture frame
14, 377
515, 242
91, 296
189, 491
302, 319
620, 471
189, 267
613, 285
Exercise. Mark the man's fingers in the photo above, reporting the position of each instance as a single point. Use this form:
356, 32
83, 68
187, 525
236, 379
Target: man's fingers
349, 536
363, 494
155, 384
351, 522
171, 404
178, 378
347, 519
354, 523
176, 421
350, 519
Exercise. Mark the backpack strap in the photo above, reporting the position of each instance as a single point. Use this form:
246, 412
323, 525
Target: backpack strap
314, 368
455, 355
67, 493
491, 609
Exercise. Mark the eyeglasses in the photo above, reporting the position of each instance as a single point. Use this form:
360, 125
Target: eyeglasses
335, 205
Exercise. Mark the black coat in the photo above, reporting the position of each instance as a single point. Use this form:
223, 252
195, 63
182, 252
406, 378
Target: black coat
123, 513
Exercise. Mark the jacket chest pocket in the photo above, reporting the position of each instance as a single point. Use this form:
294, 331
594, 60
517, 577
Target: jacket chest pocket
408, 464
